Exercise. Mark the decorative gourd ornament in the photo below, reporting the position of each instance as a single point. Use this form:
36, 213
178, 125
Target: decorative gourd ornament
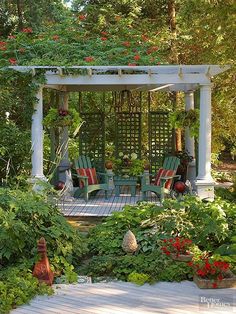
179, 187
129, 244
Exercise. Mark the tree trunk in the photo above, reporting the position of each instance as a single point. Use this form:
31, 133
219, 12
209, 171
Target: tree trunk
174, 59
20, 14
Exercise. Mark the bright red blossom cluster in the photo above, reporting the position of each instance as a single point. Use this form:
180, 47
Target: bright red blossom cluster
210, 269
27, 30
89, 59
3, 45
176, 246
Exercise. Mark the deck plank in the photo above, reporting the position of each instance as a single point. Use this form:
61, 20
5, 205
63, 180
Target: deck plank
98, 206
127, 298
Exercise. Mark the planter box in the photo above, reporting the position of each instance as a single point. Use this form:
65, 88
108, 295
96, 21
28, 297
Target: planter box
229, 282
181, 257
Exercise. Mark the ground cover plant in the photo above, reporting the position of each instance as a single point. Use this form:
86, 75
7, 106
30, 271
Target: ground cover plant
25, 217
209, 226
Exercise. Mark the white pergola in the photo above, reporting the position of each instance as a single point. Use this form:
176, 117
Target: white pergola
185, 78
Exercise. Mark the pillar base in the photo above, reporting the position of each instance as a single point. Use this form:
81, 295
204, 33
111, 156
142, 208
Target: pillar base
38, 183
191, 174
205, 189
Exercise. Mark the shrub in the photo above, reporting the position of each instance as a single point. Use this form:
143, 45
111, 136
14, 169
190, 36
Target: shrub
18, 286
208, 225
25, 217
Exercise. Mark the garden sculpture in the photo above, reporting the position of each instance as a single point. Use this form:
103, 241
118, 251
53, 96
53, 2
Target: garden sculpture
42, 269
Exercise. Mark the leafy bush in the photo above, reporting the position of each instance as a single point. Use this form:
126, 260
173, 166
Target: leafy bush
18, 286
24, 218
155, 265
137, 278
208, 225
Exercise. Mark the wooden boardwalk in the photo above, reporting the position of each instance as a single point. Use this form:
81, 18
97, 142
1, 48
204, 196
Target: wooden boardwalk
127, 298
98, 206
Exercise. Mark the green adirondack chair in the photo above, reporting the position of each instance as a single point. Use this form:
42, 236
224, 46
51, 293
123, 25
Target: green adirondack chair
160, 187
86, 187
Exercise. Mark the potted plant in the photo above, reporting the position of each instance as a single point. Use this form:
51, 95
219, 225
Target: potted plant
178, 249
62, 118
210, 272
128, 165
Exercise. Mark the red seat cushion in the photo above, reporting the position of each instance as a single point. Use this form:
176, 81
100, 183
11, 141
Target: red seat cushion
164, 173
90, 173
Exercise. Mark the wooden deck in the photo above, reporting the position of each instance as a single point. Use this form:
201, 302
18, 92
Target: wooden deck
98, 206
127, 298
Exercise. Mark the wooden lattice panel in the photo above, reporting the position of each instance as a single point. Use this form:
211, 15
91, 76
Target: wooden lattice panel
128, 133
160, 138
92, 138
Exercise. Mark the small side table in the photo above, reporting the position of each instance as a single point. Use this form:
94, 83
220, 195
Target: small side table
120, 181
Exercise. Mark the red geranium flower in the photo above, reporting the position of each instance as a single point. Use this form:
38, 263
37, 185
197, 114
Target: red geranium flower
11, 37
12, 61
214, 285
104, 33
103, 38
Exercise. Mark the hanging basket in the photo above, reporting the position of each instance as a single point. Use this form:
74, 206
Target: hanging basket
181, 257
228, 282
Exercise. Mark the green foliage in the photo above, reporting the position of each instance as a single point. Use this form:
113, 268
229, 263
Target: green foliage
107, 237
156, 266
225, 194
18, 286
181, 119
208, 225
14, 150
138, 278
55, 119
25, 217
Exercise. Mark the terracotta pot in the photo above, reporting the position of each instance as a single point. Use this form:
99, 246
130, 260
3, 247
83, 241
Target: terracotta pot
181, 257
229, 282
109, 164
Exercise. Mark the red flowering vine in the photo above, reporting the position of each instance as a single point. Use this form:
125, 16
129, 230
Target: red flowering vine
137, 57
55, 37
126, 44
89, 59
27, 30
209, 269
12, 61
82, 17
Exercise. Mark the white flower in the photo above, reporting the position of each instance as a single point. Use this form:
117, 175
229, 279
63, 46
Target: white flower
121, 154
134, 156
126, 157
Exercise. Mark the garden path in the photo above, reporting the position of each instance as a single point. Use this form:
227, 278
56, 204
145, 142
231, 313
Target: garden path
128, 298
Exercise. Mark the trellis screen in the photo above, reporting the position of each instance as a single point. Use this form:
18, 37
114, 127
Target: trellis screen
92, 138
160, 138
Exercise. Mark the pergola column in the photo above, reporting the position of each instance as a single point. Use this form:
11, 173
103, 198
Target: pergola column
64, 135
189, 140
37, 137
205, 183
